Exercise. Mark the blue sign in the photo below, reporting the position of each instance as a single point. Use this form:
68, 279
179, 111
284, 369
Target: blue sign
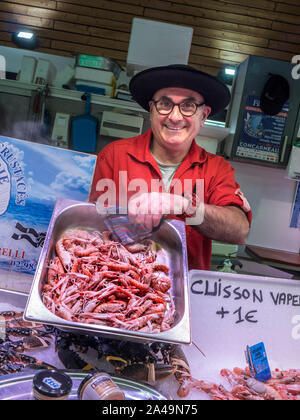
262, 135
32, 177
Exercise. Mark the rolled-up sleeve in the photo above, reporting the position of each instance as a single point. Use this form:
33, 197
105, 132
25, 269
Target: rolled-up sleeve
223, 190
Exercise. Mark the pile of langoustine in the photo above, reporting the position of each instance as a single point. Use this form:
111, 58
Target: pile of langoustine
283, 385
96, 280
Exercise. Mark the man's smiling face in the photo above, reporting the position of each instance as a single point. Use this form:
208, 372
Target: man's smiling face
175, 131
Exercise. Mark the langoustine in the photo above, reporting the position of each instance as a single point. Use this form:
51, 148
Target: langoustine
95, 280
283, 385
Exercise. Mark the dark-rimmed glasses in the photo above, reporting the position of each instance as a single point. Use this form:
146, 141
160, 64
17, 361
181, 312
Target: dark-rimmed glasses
165, 106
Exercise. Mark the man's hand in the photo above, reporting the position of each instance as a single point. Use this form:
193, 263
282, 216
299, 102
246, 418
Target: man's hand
226, 224
148, 208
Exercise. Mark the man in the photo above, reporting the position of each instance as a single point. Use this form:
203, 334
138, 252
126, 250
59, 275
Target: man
180, 179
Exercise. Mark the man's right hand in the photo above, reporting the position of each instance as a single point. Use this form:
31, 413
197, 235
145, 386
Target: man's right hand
149, 208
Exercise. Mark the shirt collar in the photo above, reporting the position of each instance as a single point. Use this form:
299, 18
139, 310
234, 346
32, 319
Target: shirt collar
140, 150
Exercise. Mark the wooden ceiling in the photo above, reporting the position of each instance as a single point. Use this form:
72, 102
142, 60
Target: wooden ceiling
225, 32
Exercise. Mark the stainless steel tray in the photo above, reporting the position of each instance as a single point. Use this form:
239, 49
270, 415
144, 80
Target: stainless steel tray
171, 236
19, 387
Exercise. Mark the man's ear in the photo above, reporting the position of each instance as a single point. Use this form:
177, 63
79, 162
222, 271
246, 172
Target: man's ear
205, 114
150, 109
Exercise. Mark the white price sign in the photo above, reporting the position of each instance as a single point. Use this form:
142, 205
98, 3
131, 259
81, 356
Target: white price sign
231, 311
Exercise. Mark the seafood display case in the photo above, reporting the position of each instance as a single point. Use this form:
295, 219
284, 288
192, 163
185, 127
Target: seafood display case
70, 214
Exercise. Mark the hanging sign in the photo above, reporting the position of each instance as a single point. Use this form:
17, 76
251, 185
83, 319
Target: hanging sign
262, 135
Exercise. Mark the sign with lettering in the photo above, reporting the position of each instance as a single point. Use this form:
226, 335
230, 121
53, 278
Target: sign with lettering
231, 311
262, 135
32, 177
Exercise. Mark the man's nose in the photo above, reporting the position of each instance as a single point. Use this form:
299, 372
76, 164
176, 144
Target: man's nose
175, 114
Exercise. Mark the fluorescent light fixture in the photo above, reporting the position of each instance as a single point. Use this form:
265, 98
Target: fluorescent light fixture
230, 71
26, 35
25, 39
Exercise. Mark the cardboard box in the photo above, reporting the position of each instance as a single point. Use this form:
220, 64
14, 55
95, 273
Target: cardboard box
94, 75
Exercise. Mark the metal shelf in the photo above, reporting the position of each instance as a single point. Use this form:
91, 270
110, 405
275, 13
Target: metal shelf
26, 89
212, 129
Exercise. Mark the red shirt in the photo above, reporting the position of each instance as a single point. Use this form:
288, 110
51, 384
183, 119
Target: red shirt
133, 156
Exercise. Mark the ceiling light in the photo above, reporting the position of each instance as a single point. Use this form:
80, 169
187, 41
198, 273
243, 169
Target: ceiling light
26, 35
25, 39
230, 71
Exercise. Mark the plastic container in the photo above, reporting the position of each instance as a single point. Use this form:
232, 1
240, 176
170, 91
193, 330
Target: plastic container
51, 385
99, 386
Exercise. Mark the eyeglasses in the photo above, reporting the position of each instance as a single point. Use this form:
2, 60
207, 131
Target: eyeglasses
165, 106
